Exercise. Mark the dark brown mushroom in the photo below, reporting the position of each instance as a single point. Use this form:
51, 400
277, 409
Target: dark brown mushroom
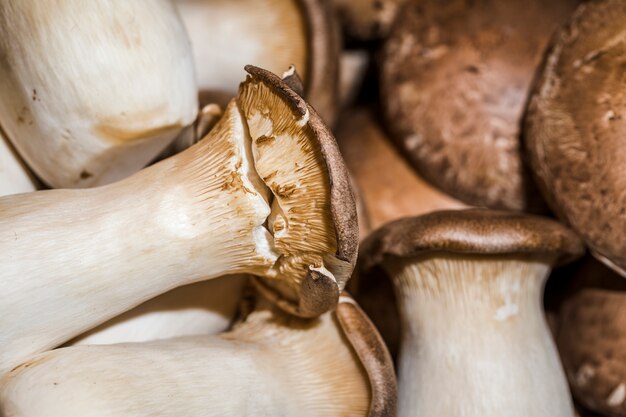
576, 125
455, 79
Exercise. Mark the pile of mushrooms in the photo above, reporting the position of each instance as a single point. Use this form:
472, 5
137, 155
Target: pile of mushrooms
274, 207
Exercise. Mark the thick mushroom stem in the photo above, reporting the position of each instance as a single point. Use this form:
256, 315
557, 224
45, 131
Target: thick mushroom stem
475, 341
67, 254
271, 364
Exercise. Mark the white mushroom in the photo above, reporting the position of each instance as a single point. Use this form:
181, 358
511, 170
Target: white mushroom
15, 177
474, 340
272, 34
72, 259
203, 308
91, 91
271, 364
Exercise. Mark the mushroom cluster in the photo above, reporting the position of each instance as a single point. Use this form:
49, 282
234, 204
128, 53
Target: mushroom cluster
333, 208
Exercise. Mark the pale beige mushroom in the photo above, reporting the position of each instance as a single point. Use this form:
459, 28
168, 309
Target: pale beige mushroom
270, 364
273, 34
265, 193
91, 91
469, 284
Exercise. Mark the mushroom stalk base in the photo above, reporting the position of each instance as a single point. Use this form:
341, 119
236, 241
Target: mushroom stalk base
475, 341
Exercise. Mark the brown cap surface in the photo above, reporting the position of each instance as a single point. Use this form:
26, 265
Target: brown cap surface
455, 79
592, 343
474, 231
575, 129
374, 356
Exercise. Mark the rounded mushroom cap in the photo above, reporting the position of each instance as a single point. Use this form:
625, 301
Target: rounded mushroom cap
455, 79
576, 125
475, 232
592, 343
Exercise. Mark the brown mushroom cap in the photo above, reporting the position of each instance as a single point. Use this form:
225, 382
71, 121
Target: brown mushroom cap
576, 126
592, 343
472, 232
455, 78
367, 19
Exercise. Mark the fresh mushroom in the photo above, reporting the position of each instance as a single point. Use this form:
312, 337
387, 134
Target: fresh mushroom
270, 364
576, 124
592, 339
91, 91
389, 188
367, 19
454, 82
469, 287
273, 34
15, 177
265, 193
202, 308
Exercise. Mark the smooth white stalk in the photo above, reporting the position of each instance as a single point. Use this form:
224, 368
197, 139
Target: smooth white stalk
91, 91
267, 366
203, 308
474, 339
72, 259
227, 35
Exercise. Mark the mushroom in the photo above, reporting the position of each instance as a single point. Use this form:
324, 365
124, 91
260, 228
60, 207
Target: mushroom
270, 364
15, 177
575, 127
90, 92
367, 19
389, 188
592, 339
469, 287
203, 308
454, 82
265, 193
272, 34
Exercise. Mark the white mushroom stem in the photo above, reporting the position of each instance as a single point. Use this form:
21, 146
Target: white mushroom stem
72, 259
93, 90
203, 308
474, 339
226, 35
268, 366
14, 175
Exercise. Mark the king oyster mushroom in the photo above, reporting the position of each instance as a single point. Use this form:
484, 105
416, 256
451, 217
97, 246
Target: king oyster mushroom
15, 177
469, 287
265, 193
592, 339
270, 364
455, 78
91, 91
272, 34
576, 124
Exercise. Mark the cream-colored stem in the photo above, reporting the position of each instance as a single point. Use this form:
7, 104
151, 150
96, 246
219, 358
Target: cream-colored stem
259, 370
14, 176
71, 259
475, 342
202, 308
